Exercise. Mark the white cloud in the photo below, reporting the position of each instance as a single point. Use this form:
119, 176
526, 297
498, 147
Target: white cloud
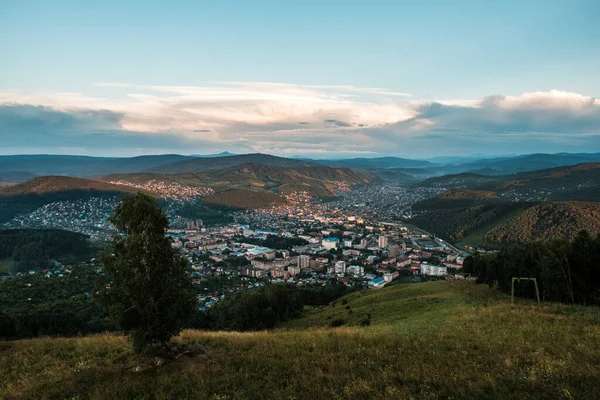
312, 119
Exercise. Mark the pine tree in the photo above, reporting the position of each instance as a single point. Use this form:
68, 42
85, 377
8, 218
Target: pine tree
150, 294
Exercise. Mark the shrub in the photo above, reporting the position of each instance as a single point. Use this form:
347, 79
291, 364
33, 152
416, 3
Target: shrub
337, 322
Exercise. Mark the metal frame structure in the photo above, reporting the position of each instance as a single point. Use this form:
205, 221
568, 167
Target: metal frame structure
512, 290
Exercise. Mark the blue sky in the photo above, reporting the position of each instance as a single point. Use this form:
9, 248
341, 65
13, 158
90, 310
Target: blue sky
108, 77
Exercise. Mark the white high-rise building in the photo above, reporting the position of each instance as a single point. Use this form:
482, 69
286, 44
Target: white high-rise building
340, 267
382, 241
303, 261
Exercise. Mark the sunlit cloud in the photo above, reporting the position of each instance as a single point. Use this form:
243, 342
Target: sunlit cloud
297, 119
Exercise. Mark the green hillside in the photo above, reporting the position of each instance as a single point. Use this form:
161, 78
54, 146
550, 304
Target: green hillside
25, 249
546, 221
426, 341
455, 221
319, 180
574, 182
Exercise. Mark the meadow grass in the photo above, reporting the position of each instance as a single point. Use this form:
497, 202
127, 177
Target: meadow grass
431, 340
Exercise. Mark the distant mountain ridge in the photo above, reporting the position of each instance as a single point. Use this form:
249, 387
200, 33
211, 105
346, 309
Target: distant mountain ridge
83, 166
389, 168
531, 162
216, 163
377, 162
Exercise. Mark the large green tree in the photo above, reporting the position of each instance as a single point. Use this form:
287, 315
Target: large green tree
149, 296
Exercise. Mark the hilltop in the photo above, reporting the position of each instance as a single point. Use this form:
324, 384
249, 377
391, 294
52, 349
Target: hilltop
53, 184
432, 340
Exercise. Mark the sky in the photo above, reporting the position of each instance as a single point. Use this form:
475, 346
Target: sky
299, 78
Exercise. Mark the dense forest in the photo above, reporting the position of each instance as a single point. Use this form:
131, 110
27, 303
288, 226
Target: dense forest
509, 223
243, 199
39, 248
210, 215
275, 242
546, 221
455, 223
38, 306
566, 271
268, 306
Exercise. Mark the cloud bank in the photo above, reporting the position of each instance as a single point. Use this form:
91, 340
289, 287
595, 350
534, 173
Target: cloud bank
293, 119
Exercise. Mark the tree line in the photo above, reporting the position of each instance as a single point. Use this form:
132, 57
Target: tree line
266, 307
566, 271
276, 242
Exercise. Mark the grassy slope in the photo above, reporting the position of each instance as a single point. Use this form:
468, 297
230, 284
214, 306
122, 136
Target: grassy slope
432, 340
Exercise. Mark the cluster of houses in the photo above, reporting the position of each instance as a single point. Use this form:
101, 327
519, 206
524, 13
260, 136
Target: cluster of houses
376, 256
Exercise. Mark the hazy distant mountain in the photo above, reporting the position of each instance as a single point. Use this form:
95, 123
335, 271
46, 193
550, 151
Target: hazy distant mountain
18, 168
221, 154
83, 166
530, 162
458, 160
215, 163
379, 162
16, 176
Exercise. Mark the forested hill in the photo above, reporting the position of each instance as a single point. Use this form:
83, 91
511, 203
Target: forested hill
319, 180
497, 224
53, 184
26, 249
244, 199
216, 163
25, 197
575, 182
546, 221
457, 198
502, 210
